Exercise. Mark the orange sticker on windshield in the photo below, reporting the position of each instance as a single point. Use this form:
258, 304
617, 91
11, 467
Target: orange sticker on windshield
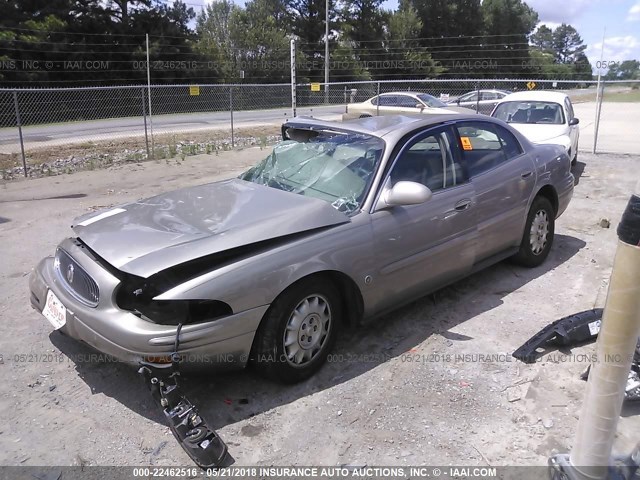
466, 143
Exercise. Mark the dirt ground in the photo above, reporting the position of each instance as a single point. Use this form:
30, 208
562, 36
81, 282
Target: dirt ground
398, 391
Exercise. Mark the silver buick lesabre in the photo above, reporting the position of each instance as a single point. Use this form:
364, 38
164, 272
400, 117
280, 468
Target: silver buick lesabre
341, 222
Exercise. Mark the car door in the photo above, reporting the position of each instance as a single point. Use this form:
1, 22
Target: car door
409, 104
503, 176
387, 104
488, 101
574, 130
421, 247
470, 100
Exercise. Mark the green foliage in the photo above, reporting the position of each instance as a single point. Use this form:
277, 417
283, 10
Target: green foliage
627, 70
508, 23
234, 43
559, 53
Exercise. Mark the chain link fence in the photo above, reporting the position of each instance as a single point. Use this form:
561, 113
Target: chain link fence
48, 131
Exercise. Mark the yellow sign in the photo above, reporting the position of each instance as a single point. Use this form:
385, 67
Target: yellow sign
194, 89
466, 143
315, 87
531, 85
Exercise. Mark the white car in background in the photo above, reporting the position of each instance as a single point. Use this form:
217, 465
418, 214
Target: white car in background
542, 117
400, 103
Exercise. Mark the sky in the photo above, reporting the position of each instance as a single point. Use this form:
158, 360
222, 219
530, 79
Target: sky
619, 20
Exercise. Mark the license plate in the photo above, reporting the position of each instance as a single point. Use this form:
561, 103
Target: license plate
55, 311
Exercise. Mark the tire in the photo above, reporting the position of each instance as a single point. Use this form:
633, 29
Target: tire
290, 355
536, 242
365, 116
575, 158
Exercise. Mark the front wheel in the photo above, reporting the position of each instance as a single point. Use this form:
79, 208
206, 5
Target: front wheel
298, 331
538, 234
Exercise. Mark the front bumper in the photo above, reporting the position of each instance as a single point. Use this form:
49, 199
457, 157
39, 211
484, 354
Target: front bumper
221, 344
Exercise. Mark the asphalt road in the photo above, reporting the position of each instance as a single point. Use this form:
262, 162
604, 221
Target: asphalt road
95, 130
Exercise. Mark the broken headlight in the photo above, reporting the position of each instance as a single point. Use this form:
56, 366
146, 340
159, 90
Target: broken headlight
137, 296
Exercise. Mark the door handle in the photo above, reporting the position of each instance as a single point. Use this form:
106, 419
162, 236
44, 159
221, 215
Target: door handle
463, 205
526, 174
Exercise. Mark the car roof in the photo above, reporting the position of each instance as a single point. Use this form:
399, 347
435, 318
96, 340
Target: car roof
387, 125
542, 96
405, 93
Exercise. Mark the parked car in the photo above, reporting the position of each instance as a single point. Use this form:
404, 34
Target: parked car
542, 117
398, 103
480, 101
342, 221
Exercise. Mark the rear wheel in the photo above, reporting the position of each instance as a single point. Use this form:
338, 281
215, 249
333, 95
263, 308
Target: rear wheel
538, 234
365, 116
298, 331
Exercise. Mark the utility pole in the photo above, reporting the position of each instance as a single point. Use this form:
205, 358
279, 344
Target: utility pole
326, 51
153, 147
599, 94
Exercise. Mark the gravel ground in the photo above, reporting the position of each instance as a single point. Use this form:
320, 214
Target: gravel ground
431, 383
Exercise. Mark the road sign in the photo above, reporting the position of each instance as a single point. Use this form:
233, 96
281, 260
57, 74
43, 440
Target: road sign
531, 85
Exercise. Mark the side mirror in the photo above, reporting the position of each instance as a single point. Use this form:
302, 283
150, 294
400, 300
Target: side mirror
458, 101
420, 106
574, 121
406, 193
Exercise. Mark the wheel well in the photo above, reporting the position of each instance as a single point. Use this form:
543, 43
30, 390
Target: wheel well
550, 194
352, 302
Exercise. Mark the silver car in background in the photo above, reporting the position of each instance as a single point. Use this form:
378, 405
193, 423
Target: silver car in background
399, 103
342, 221
480, 101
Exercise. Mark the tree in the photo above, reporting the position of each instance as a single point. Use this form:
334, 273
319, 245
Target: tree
627, 70
362, 23
567, 44
262, 47
508, 24
214, 37
542, 39
406, 57
565, 48
252, 40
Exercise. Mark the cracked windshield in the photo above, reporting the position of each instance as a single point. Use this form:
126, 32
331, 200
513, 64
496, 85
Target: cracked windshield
332, 166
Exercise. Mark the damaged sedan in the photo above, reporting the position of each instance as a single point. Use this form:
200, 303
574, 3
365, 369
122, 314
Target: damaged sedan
342, 221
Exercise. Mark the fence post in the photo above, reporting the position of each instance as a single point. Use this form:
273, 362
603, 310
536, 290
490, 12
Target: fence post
19, 123
144, 116
599, 97
293, 76
231, 111
378, 101
477, 97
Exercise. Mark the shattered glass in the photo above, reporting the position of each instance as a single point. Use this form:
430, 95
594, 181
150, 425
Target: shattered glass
332, 166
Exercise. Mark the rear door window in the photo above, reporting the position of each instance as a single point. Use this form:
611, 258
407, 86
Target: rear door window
481, 147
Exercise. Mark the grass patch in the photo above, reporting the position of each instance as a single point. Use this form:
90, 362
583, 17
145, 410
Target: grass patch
630, 96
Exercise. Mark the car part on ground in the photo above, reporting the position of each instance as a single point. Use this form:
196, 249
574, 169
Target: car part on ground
568, 331
199, 441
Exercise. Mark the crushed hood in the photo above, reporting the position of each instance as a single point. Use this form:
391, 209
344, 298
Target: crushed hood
148, 236
541, 133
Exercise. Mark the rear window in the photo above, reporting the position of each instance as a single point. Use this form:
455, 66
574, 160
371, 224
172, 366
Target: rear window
549, 113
